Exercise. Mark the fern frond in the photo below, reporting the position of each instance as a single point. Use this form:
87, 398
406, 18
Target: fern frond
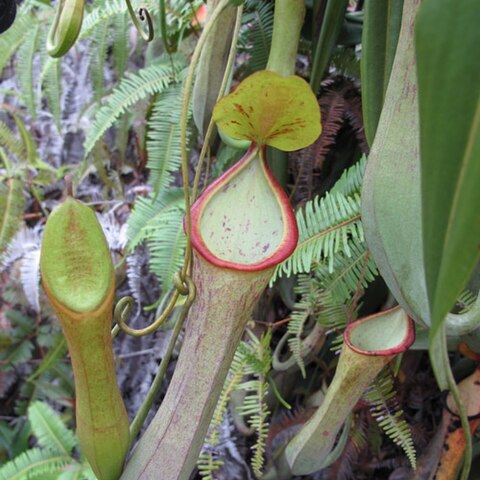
57, 350
25, 239
208, 463
28, 144
381, 396
51, 432
15, 35
34, 464
350, 182
350, 274
120, 43
256, 37
12, 203
326, 226
163, 138
302, 311
52, 88
331, 314
17, 353
71, 472
257, 354
10, 142
98, 46
346, 62
159, 222
466, 300
30, 277
132, 89
101, 14
24, 70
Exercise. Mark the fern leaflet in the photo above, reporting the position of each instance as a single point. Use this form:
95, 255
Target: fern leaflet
159, 222
51, 432
256, 37
15, 35
132, 89
385, 409
326, 226
11, 209
350, 182
257, 354
26, 54
163, 138
34, 464
10, 142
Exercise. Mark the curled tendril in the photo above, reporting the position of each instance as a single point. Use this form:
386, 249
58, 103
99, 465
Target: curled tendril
125, 305
314, 340
144, 16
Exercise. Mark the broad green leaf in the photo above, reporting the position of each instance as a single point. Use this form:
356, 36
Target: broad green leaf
391, 193
381, 28
447, 38
333, 19
270, 109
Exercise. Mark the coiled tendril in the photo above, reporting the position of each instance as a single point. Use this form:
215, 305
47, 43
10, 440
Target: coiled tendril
125, 305
144, 16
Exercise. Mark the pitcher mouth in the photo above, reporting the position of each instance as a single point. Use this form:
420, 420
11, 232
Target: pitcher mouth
393, 322
244, 237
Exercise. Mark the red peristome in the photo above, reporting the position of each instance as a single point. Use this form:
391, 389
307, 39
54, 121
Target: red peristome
402, 346
289, 239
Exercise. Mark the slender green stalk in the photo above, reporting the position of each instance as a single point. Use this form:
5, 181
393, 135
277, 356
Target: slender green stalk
331, 26
152, 394
144, 17
163, 27
287, 24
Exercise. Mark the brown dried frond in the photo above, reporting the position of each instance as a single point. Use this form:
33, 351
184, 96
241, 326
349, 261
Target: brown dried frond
341, 109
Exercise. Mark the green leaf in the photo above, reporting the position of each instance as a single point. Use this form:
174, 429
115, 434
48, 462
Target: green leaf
270, 109
49, 429
446, 37
330, 30
381, 28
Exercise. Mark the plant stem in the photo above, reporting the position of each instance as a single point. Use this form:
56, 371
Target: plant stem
142, 413
331, 26
287, 23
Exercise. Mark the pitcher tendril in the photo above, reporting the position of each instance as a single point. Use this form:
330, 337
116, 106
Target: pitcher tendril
144, 17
